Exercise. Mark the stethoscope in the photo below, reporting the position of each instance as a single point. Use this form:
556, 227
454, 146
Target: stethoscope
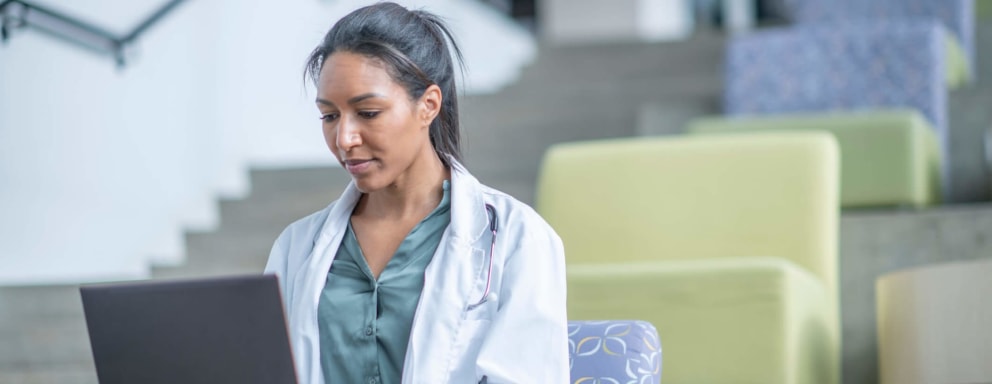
493, 228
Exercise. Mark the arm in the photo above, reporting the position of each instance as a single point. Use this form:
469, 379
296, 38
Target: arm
277, 263
293, 244
528, 339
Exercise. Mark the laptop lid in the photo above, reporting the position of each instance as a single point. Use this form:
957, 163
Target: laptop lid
218, 330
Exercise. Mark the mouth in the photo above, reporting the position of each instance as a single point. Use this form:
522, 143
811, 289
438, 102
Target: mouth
356, 167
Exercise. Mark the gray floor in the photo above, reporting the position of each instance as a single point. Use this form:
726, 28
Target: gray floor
569, 94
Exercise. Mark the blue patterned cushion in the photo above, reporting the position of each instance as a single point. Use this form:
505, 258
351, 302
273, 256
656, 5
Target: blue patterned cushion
849, 67
958, 16
614, 352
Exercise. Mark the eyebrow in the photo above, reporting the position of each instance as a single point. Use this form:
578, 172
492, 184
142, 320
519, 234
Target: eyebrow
353, 100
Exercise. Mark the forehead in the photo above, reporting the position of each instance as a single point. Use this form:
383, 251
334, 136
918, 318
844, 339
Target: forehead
351, 72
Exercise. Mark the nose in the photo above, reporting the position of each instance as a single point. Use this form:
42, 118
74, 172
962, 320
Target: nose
348, 135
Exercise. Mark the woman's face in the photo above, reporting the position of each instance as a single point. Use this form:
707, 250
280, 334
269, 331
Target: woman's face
378, 134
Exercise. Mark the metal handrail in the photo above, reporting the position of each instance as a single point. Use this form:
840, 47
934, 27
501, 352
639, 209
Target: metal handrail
24, 14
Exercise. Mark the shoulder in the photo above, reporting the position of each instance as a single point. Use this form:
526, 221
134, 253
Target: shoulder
517, 218
532, 250
307, 225
296, 241
508, 206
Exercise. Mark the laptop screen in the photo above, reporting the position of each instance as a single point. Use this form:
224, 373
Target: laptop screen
219, 330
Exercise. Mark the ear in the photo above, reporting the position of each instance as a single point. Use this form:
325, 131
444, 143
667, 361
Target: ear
430, 105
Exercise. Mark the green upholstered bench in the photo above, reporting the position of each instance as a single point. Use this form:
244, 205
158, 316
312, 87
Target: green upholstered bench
726, 243
888, 157
722, 320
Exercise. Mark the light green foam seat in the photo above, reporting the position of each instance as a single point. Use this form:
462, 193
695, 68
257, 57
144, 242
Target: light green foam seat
726, 243
888, 157
729, 320
957, 70
983, 10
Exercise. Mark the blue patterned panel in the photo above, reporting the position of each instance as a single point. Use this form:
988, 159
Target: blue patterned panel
958, 16
840, 67
614, 352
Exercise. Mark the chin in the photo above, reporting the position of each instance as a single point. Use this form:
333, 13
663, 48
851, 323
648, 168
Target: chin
368, 184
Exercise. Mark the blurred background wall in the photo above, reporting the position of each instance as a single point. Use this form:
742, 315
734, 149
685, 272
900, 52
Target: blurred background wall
104, 167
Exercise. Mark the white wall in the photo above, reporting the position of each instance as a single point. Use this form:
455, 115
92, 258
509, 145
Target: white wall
101, 170
597, 21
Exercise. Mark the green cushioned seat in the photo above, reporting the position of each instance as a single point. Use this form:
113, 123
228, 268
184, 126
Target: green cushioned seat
888, 157
725, 203
957, 72
739, 320
983, 9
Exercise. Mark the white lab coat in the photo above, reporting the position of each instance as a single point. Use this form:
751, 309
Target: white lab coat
519, 335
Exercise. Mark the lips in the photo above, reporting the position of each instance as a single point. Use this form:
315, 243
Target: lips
357, 166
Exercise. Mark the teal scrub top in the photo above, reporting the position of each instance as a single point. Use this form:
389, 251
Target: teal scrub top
365, 323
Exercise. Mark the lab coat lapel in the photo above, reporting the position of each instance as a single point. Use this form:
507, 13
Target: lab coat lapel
310, 284
451, 281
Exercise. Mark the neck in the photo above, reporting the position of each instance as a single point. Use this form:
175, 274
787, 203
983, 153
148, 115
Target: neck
414, 195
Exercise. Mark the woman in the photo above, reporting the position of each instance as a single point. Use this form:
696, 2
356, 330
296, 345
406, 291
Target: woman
417, 273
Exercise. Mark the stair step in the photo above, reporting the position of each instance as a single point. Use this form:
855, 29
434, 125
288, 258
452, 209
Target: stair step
49, 374
38, 302
45, 342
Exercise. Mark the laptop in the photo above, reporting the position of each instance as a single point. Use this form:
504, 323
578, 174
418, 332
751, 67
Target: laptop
217, 330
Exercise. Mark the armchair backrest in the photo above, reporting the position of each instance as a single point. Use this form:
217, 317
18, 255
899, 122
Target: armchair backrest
958, 16
836, 68
756, 195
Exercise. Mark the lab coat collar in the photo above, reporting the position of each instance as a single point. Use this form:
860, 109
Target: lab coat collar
469, 219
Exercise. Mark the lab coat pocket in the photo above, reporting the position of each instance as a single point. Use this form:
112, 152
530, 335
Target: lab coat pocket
483, 296
468, 343
471, 333
479, 312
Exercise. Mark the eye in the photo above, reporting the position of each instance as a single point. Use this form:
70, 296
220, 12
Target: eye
329, 117
368, 114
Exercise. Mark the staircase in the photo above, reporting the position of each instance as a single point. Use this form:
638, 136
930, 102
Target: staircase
573, 93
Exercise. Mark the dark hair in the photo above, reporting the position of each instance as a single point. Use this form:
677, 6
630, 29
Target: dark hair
414, 47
